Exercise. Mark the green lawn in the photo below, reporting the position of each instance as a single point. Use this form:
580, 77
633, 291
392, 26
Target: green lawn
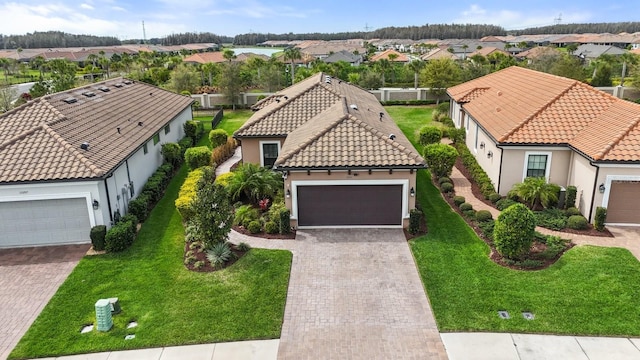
411, 118
172, 305
231, 121
589, 291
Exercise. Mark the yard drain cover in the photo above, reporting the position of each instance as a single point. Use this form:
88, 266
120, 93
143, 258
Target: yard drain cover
86, 329
132, 325
130, 337
504, 314
527, 315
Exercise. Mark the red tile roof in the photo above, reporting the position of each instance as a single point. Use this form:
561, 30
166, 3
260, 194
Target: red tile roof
522, 106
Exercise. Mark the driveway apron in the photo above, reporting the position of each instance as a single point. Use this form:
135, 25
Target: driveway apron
28, 279
356, 294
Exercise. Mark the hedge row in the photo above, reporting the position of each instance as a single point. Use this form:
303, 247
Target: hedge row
122, 234
477, 173
187, 193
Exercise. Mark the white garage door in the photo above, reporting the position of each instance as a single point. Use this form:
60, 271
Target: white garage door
44, 222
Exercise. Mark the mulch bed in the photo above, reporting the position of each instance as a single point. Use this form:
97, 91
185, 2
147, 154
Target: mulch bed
264, 235
201, 256
475, 189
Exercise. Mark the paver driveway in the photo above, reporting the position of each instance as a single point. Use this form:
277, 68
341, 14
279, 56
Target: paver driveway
356, 294
28, 279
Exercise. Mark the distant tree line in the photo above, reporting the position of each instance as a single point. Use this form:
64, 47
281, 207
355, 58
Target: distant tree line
596, 28
434, 31
191, 38
54, 39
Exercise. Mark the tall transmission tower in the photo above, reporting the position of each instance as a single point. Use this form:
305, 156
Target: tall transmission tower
558, 20
144, 34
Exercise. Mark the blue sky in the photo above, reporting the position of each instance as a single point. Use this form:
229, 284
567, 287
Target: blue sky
123, 19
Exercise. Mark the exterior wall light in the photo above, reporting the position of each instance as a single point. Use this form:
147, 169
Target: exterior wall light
95, 204
288, 193
412, 192
490, 154
482, 145
602, 188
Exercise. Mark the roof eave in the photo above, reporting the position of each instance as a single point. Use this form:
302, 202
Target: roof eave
357, 167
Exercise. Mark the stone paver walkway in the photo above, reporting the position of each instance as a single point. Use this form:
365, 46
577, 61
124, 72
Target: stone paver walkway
354, 294
28, 279
624, 237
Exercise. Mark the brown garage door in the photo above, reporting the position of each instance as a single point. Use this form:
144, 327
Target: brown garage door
340, 205
624, 203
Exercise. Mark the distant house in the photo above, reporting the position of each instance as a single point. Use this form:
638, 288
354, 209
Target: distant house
591, 52
345, 56
344, 160
207, 57
523, 123
486, 51
537, 53
439, 53
74, 159
388, 54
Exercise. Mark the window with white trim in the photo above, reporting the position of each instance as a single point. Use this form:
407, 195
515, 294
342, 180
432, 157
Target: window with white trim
269, 151
537, 165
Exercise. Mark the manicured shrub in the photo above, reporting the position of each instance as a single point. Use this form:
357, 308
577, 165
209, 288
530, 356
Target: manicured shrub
185, 143
132, 220
553, 219
577, 222
97, 236
448, 122
271, 227
444, 179
119, 237
153, 188
172, 153
223, 179
437, 115
446, 187
465, 206
429, 135
513, 231
477, 173
243, 246
217, 137
415, 216
223, 152
285, 224
194, 130
187, 194
139, 207
494, 197
443, 107
572, 211
487, 228
458, 200
483, 215
600, 218
212, 212
246, 214
456, 135
570, 197
440, 158
254, 226
471, 213
196, 157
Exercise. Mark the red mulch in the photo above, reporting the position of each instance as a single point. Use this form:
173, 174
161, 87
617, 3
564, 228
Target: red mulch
201, 255
475, 189
264, 235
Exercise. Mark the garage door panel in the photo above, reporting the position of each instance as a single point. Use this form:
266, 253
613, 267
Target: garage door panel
624, 203
44, 222
344, 205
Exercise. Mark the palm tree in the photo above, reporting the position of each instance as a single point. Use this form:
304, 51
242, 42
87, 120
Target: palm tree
536, 192
254, 182
292, 54
464, 49
382, 66
416, 66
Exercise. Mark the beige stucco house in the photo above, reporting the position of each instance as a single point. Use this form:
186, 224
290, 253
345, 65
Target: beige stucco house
524, 123
344, 160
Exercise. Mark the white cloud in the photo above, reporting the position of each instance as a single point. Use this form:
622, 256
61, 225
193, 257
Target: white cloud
118, 8
86, 6
510, 19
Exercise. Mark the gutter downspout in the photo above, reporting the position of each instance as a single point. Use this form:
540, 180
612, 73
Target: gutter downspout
593, 193
500, 171
106, 188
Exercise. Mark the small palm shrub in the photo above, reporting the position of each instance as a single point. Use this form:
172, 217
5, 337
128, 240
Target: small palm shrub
577, 222
536, 192
219, 254
465, 206
254, 182
458, 200
483, 215
513, 231
245, 214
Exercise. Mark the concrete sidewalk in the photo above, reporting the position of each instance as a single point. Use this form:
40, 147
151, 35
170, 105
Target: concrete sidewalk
239, 350
504, 346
